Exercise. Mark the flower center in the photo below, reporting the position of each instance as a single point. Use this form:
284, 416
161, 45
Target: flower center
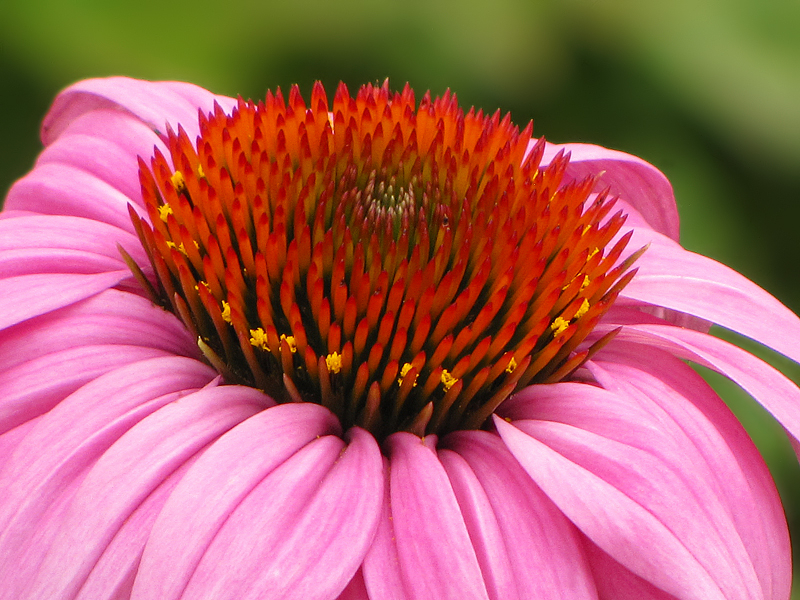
406, 267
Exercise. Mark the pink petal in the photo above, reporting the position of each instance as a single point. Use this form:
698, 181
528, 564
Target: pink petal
622, 500
156, 104
544, 548
32, 388
131, 469
628, 177
675, 278
616, 582
779, 395
381, 569
208, 495
484, 531
735, 470
110, 318
63, 189
28, 296
105, 144
436, 556
51, 461
302, 532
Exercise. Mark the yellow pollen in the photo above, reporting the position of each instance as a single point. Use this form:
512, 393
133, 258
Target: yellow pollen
586, 229
289, 340
586, 282
583, 309
200, 172
512, 364
178, 247
448, 380
559, 325
258, 339
334, 362
592, 253
164, 211
403, 372
178, 182
226, 312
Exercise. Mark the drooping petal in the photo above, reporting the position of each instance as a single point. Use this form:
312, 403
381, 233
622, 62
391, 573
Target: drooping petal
773, 390
63, 189
634, 507
207, 495
110, 318
49, 463
126, 475
27, 296
154, 103
735, 469
627, 177
484, 531
677, 279
36, 386
302, 532
105, 144
436, 556
543, 548
383, 577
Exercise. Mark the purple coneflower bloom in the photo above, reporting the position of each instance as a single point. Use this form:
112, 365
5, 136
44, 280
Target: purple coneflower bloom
368, 349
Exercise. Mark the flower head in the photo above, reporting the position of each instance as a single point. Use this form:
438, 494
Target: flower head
407, 352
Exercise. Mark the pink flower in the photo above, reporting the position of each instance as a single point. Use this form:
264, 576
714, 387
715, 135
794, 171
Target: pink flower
130, 468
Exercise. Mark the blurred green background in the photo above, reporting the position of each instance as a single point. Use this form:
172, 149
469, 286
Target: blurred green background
709, 91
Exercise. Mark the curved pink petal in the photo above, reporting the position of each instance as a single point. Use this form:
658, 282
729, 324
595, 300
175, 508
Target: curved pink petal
302, 532
56, 454
355, 590
632, 507
28, 296
736, 471
156, 104
484, 531
130, 470
383, 577
208, 495
677, 279
108, 319
615, 582
63, 189
105, 144
436, 556
32, 388
543, 547
628, 177
767, 385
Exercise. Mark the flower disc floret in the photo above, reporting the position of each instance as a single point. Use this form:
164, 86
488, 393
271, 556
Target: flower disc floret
408, 267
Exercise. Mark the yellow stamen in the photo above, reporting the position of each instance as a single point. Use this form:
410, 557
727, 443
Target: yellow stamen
403, 372
289, 340
177, 247
586, 282
592, 253
164, 211
512, 364
583, 309
200, 172
334, 362
258, 339
448, 380
226, 312
559, 325
178, 182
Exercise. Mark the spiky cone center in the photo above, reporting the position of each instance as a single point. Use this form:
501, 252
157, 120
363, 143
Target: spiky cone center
406, 267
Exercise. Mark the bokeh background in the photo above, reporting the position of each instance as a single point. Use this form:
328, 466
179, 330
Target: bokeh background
707, 90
